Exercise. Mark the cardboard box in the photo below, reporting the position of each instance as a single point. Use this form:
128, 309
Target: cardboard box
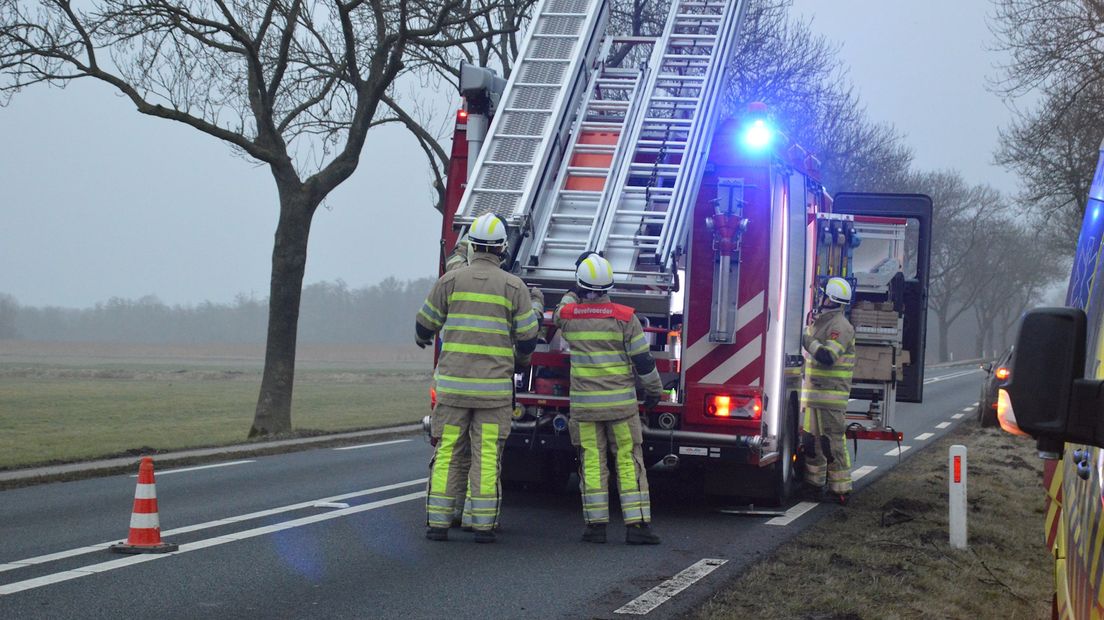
873, 363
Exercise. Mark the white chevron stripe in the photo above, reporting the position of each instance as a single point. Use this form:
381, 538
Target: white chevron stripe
736, 363
746, 314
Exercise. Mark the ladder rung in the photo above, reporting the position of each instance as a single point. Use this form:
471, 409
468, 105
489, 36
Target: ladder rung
677, 99
652, 238
659, 214
649, 166
597, 149
695, 16
687, 57
567, 216
669, 121
564, 243
580, 193
601, 125
585, 171
648, 190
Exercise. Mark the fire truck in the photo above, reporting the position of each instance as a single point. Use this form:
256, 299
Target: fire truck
1055, 393
719, 231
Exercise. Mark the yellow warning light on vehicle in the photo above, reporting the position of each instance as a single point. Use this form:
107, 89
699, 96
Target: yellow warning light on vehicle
1005, 415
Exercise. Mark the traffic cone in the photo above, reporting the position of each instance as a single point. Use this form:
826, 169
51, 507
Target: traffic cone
145, 526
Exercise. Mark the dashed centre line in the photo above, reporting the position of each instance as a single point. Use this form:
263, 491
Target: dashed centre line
898, 451
924, 436
793, 513
958, 416
943, 425
861, 472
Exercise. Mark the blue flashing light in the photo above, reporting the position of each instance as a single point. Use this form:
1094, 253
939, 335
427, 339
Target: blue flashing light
757, 136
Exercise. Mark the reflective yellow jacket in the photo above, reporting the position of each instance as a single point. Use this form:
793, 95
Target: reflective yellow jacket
607, 343
828, 386
487, 324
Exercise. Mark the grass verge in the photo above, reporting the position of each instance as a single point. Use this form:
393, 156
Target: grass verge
886, 555
61, 412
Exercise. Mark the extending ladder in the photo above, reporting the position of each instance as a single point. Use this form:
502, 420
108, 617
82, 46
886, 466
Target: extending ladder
563, 38
655, 189
563, 228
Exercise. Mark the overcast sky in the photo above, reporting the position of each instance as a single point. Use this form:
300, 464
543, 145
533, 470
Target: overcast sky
98, 201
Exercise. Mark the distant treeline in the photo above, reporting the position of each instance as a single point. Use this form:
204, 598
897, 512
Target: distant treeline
331, 312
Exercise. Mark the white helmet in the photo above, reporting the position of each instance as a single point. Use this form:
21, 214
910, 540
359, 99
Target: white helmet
488, 230
594, 274
838, 290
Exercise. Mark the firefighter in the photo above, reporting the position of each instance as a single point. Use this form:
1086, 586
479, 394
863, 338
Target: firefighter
607, 343
489, 328
829, 343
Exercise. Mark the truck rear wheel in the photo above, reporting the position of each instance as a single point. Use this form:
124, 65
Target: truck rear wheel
785, 474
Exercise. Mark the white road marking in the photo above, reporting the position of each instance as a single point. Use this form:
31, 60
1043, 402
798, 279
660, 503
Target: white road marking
898, 451
372, 445
950, 376
197, 468
665, 591
330, 505
862, 472
793, 513
923, 436
60, 555
958, 416
102, 567
943, 425
968, 409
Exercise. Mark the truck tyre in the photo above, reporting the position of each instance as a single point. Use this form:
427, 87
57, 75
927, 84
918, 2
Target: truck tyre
785, 471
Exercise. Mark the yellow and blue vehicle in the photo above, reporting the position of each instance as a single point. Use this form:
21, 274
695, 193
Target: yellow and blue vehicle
1056, 395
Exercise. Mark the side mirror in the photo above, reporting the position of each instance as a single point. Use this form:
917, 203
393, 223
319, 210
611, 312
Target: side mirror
1050, 399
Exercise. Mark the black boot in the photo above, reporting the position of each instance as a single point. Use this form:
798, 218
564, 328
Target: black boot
437, 533
640, 534
484, 536
595, 533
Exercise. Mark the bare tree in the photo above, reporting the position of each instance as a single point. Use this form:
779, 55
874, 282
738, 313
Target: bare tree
293, 84
1054, 150
962, 223
1056, 48
491, 40
1009, 272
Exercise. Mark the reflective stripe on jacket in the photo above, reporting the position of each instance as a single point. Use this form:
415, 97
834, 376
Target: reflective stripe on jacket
828, 386
481, 312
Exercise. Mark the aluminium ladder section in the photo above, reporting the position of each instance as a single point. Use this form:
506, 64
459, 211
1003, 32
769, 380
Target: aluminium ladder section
543, 88
657, 185
562, 229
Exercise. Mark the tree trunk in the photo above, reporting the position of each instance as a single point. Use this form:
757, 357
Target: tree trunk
289, 260
944, 328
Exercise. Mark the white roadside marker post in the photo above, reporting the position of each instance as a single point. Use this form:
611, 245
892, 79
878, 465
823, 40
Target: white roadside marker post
956, 483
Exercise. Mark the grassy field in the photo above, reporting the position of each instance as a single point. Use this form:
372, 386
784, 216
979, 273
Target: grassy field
886, 555
73, 402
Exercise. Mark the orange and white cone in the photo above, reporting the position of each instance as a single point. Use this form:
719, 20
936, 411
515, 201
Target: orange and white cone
145, 525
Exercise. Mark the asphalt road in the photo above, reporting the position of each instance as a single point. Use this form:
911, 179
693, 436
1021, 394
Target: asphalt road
338, 533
